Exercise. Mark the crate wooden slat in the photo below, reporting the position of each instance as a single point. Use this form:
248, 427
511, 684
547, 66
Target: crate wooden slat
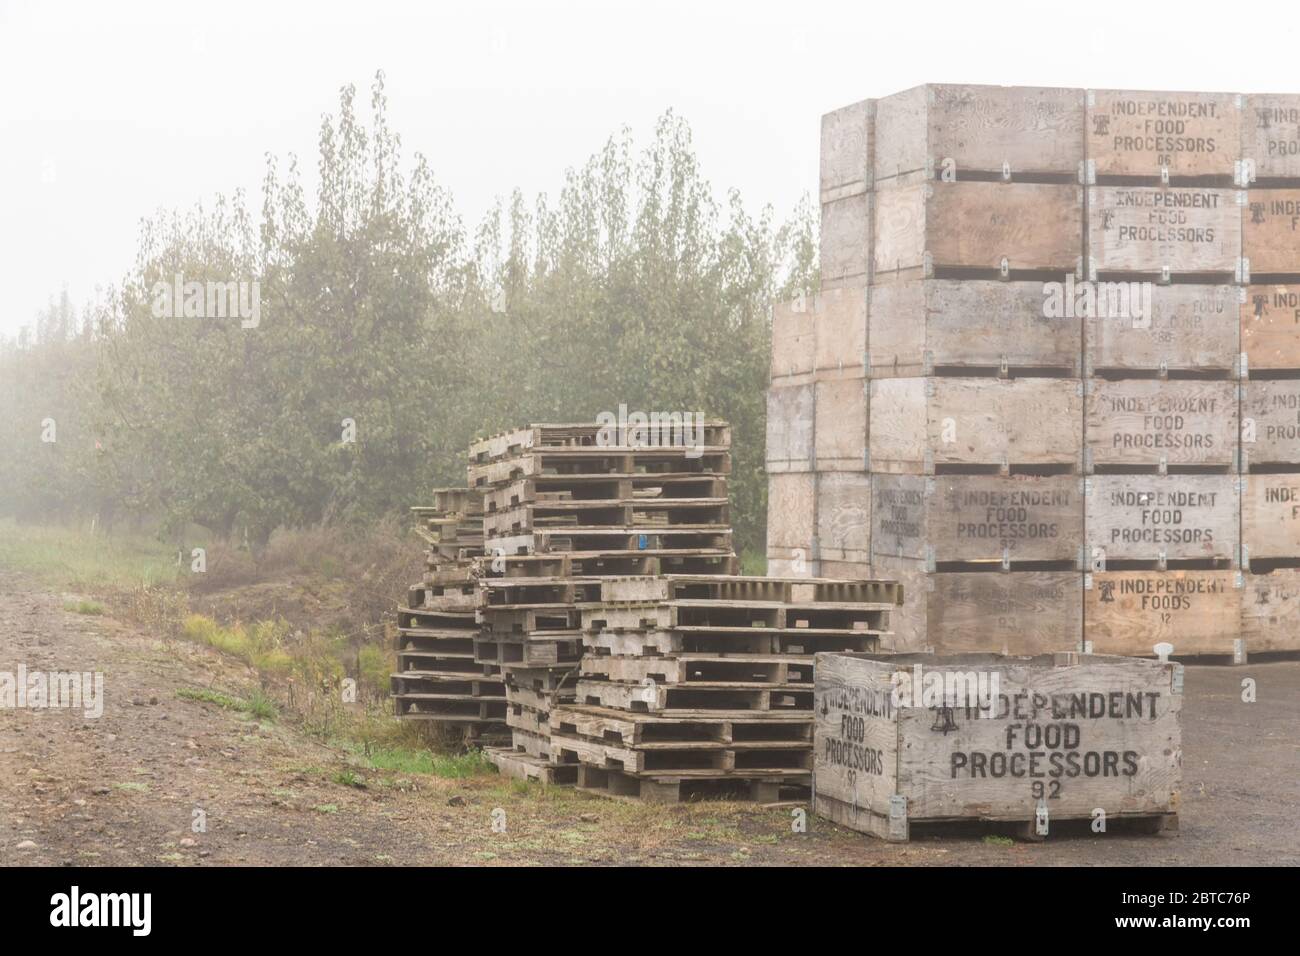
1153, 134
1144, 422
840, 330
793, 342
1270, 327
1177, 517
846, 239
1270, 232
1129, 612
1175, 328
790, 411
846, 150
843, 520
1270, 423
1146, 230
1270, 517
918, 326
1270, 611
1270, 136
840, 424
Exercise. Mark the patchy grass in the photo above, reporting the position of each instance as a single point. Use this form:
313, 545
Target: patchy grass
256, 704
83, 607
71, 556
993, 840
753, 563
407, 760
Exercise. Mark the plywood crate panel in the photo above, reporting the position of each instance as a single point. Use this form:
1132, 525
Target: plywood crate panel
1270, 232
791, 515
841, 332
846, 150
1184, 135
1270, 611
1182, 517
844, 517
1270, 517
1143, 326
958, 129
790, 427
851, 571
1270, 422
1129, 612
793, 343
1187, 230
1143, 422
1270, 327
1013, 612
931, 226
845, 239
918, 425
1270, 136
841, 425
977, 518
918, 325
1067, 734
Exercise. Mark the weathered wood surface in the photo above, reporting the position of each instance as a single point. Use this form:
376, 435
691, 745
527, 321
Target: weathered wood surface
977, 517
1270, 232
846, 237
844, 516
973, 421
790, 510
920, 325
1143, 325
1137, 133
1270, 516
1145, 229
1070, 736
1016, 612
959, 129
1270, 422
840, 325
1183, 517
1145, 421
978, 225
790, 428
841, 424
1270, 135
1270, 611
846, 150
1270, 327
1129, 612
793, 342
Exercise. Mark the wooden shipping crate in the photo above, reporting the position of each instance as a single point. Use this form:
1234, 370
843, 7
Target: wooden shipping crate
921, 325
1270, 136
920, 425
1030, 740
1270, 423
1270, 517
928, 227
846, 571
791, 514
1129, 612
790, 428
1270, 611
1175, 230
1149, 422
961, 518
793, 342
841, 332
1270, 232
1169, 517
1145, 326
958, 612
1270, 327
955, 130
1163, 135
840, 430
846, 150
846, 239
844, 517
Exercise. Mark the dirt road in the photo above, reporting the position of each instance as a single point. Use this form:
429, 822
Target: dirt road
127, 787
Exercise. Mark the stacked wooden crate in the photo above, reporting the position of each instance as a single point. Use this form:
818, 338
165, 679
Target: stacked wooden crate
1051, 465
564, 507
439, 676
1270, 365
702, 684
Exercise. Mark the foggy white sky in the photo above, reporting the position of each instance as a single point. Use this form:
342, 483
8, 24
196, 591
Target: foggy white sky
112, 110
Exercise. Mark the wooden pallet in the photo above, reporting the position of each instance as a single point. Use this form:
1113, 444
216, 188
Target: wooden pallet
520, 441
774, 786
696, 699
520, 766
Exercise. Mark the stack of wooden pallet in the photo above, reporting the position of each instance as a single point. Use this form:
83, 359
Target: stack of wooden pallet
702, 684
439, 676
564, 507
1049, 368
